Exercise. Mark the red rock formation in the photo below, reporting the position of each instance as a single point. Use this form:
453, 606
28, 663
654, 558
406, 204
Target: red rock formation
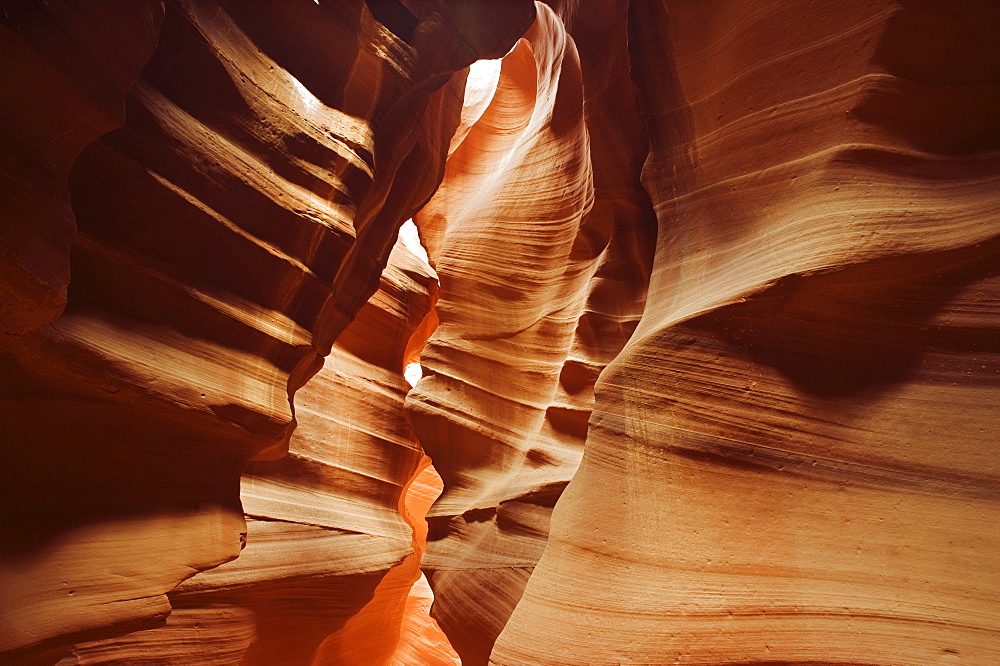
541, 238
794, 459
227, 235
322, 522
790, 458
421, 639
395, 627
66, 69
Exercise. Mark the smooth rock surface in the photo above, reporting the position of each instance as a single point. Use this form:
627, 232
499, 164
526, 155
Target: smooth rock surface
65, 69
227, 235
794, 459
324, 522
716, 375
542, 239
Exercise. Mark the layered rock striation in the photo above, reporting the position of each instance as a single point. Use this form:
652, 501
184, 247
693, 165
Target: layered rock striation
226, 236
712, 375
542, 238
323, 522
794, 458
67, 68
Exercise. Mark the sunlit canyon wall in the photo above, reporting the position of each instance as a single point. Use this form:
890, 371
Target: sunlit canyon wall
543, 238
711, 320
215, 246
794, 459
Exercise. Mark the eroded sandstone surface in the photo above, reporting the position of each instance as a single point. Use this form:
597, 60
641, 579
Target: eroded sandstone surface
67, 68
226, 235
709, 332
542, 237
794, 459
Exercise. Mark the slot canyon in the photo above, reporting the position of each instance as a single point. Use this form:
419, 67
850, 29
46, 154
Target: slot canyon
499, 332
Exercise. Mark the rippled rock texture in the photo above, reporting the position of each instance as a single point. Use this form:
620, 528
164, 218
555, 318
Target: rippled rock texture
794, 460
226, 235
323, 522
715, 379
542, 237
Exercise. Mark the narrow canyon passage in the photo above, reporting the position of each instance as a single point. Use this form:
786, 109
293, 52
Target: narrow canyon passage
395, 627
499, 332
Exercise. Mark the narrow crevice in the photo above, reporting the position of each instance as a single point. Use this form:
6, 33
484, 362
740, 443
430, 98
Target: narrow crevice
419, 629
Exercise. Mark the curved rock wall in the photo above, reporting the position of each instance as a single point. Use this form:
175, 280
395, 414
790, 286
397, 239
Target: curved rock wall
323, 525
542, 239
794, 459
66, 70
395, 628
228, 233
716, 373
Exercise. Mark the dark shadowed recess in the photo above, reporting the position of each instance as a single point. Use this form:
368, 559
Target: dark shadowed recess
394, 16
854, 329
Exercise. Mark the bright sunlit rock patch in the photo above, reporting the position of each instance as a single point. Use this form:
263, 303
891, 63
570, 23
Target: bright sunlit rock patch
484, 75
409, 236
411, 239
412, 373
309, 100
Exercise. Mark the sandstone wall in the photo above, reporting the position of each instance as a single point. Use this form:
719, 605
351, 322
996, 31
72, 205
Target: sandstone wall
66, 70
323, 522
542, 238
226, 236
794, 458
716, 374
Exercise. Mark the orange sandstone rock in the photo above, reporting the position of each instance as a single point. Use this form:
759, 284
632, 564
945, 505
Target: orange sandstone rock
783, 451
227, 234
323, 522
395, 627
794, 459
541, 238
